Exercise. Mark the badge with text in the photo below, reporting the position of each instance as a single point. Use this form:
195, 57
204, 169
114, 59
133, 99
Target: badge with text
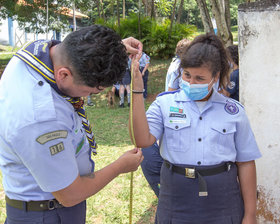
176, 109
51, 136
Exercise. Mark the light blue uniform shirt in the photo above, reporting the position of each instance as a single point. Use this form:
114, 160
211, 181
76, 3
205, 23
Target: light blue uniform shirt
171, 77
145, 59
43, 147
220, 132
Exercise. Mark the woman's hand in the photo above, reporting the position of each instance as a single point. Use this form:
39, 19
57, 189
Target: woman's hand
137, 84
249, 219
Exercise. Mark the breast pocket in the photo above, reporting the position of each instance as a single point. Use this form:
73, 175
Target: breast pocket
222, 137
178, 135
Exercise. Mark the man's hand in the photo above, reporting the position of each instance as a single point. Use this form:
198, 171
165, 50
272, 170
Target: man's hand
130, 160
133, 45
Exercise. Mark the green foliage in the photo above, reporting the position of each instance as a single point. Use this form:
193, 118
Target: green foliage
162, 44
154, 35
164, 8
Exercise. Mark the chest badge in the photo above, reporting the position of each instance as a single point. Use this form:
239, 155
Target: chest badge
231, 108
176, 109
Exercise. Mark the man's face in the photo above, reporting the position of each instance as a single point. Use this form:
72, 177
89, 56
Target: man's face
78, 90
67, 84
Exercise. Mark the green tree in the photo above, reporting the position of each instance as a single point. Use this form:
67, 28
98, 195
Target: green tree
33, 16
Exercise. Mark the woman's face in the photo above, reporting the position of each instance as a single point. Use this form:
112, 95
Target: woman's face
200, 75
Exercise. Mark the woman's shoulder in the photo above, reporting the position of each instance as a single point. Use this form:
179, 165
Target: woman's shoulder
168, 94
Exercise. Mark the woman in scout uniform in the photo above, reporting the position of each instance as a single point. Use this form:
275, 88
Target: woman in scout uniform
208, 174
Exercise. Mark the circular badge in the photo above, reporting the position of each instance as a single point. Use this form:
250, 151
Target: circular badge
231, 108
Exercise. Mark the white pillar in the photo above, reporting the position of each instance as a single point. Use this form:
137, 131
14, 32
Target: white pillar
259, 63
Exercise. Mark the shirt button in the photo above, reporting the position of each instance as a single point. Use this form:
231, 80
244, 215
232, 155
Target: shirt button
198, 162
200, 118
40, 83
224, 130
176, 126
199, 139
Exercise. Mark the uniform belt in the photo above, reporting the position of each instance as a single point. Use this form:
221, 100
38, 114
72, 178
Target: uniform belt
35, 206
194, 172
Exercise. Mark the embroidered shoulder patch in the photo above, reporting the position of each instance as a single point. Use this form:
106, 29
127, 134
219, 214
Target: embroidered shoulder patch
231, 108
56, 148
51, 136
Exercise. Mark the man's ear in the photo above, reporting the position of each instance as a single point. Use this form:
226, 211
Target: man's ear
63, 75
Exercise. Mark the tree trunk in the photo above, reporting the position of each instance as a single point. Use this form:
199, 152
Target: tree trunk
123, 9
172, 19
153, 14
118, 12
180, 10
98, 8
102, 10
218, 11
149, 6
206, 20
139, 18
227, 15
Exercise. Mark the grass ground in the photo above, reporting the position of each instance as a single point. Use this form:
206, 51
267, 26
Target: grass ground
110, 125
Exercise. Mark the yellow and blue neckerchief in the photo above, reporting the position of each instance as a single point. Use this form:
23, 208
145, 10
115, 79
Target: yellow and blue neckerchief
37, 55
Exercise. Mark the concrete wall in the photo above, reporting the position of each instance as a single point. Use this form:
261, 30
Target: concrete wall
259, 55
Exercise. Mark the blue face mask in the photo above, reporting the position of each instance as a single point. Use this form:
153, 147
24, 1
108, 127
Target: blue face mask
195, 91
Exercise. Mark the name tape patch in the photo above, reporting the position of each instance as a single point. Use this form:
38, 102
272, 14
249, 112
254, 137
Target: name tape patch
51, 136
177, 115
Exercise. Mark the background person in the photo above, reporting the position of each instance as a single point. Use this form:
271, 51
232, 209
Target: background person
208, 147
46, 145
144, 63
89, 101
125, 85
233, 87
172, 81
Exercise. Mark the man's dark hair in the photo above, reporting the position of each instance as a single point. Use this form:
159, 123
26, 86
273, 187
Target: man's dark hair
233, 52
96, 56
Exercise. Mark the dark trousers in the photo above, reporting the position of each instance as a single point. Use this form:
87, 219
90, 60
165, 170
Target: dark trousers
151, 166
145, 81
180, 203
75, 215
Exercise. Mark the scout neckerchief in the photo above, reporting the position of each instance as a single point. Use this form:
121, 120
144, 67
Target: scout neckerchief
37, 55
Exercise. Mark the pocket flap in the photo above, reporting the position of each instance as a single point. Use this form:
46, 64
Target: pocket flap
224, 128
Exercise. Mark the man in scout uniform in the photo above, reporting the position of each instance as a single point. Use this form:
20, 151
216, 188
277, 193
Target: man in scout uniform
46, 141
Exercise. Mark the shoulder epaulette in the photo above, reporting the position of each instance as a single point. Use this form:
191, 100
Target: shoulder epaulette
168, 92
236, 102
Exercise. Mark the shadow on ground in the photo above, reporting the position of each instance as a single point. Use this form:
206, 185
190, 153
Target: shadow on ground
148, 216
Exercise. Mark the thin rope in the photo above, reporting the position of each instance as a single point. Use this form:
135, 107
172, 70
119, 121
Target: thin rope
134, 143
